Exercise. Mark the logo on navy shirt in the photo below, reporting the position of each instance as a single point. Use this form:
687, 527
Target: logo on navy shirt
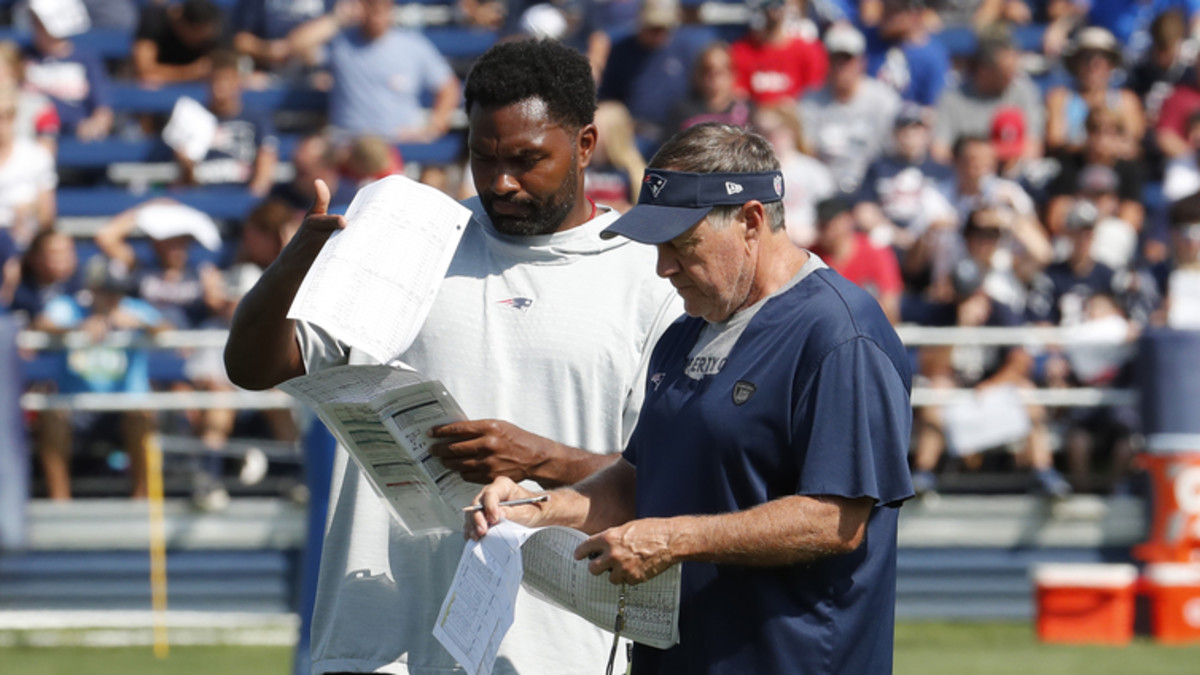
657, 379
655, 182
700, 366
518, 303
742, 391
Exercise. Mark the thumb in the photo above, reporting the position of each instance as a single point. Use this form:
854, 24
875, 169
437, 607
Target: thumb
321, 204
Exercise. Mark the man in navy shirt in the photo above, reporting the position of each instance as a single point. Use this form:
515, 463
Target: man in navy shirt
770, 457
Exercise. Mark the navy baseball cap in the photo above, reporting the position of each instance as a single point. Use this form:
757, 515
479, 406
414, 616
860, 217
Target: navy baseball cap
671, 202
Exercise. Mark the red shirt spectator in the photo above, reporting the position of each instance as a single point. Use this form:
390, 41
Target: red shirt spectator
770, 72
871, 267
852, 254
773, 64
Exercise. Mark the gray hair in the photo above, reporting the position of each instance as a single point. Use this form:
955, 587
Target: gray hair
713, 147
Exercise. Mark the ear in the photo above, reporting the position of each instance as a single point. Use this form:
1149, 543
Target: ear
754, 215
585, 145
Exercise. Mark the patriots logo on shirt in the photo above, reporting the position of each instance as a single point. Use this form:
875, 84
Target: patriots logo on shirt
518, 303
742, 391
657, 379
655, 182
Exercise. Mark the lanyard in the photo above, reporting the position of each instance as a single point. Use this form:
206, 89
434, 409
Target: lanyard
618, 626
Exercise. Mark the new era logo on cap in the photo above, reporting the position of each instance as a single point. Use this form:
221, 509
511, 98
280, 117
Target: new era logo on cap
732, 188
655, 182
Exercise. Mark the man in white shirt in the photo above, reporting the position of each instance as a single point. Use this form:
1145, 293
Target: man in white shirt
542, 332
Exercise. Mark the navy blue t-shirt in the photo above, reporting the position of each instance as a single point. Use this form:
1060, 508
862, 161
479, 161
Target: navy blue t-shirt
916, 70
813, 399
1058, 295
896, 185
649, 82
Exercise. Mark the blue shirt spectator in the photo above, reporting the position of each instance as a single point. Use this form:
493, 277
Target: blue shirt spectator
1130, 20
917, 70
380, 73
261, 27
650, 70
77, 82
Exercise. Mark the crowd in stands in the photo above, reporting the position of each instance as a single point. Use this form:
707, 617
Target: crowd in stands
971, 162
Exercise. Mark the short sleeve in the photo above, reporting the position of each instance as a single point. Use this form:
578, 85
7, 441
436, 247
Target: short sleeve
319, 349
852, 424
435, 71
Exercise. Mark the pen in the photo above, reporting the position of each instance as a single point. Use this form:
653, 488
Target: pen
511, 502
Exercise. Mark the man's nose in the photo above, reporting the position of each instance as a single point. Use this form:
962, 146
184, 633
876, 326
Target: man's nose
667, 263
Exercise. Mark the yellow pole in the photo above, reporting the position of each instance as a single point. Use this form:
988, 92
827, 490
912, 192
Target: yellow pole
158, 545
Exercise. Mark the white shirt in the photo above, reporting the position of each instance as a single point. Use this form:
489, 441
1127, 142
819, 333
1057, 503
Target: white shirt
552, 333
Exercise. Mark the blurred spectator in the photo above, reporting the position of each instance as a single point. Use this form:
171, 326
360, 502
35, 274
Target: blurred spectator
184, 291
894, 191
37, 118
1102, 148
993, 81
313, 157
577, 23
995, 374
1081, 293
48, 269
851, 253
1181, 177
1092, 60
806, 180
261, 29
614, 176
244, 148
1062, 290
771, 65
1178, 276
849, 121
901, 55
712, 96
97, 369
1183, 102
73, 77
650, 70
1130, 20
27, 177
369, 158
380, 73
1060, 17
1024, 247
1165, 65
174, 42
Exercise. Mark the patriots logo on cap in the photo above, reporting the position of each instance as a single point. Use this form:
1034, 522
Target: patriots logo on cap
732, 188
655, 182
518, 303
778, 182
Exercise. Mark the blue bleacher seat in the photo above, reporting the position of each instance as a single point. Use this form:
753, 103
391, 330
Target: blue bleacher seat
221, 202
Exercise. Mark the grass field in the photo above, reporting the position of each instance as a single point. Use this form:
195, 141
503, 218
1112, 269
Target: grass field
921, 649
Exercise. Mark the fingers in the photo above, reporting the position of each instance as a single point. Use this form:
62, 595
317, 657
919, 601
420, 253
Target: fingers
490, 497
320, 206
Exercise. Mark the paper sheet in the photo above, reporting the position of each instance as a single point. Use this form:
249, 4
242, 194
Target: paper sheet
382, 416
478, 608
373, 284
986, 419
191, 129
552, 572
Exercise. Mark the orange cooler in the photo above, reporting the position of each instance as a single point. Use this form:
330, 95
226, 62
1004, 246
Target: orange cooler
1085, 603
1174, 590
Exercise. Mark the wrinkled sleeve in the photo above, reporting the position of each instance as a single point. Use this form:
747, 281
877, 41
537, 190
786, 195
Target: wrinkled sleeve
852, 424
